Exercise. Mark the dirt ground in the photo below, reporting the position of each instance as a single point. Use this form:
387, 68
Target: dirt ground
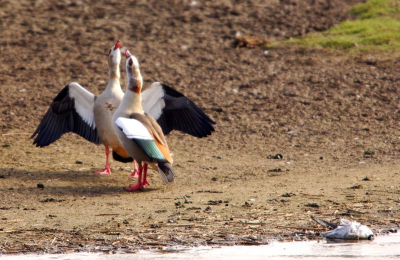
334, 117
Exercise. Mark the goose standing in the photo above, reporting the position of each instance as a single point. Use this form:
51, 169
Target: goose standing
77, 110
139, 132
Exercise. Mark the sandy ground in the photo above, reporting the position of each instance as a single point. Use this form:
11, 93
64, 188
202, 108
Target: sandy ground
334, 117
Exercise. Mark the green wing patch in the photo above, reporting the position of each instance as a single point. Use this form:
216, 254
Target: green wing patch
151, 149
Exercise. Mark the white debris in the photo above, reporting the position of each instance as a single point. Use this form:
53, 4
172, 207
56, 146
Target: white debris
350, 230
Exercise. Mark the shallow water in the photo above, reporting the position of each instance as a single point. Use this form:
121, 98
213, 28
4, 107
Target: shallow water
384, 246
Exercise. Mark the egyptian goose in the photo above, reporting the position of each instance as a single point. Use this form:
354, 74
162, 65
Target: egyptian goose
139, 132
77, 110
173, 111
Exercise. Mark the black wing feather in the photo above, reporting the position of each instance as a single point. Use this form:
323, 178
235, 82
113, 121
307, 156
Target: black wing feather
180, 113
61, 118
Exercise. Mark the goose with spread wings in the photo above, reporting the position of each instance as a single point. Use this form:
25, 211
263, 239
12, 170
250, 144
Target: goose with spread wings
77, 110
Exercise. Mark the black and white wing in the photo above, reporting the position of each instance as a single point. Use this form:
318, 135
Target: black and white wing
71, 111
174, 111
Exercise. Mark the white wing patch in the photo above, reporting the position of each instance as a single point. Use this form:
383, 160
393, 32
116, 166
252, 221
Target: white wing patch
153, 100
84, 102
133, 128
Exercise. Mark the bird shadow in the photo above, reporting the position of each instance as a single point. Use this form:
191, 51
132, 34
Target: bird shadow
71, 183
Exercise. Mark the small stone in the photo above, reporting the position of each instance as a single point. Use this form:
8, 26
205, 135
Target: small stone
366, 179
277, 156
313, 205
275, 170
40, 185
48, 199
214, 202
246, 204
356, 187
370, 61
79, 162
187, 201
369, 153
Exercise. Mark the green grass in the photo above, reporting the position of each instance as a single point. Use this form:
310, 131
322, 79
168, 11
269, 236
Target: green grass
375, 8
376, 29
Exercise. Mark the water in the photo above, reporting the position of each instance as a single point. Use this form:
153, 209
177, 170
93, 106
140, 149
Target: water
387, 247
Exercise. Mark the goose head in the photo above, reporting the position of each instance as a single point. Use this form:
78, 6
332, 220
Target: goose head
135, 80
114, 58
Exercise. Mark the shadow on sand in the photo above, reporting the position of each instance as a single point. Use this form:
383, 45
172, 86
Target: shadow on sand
82, 183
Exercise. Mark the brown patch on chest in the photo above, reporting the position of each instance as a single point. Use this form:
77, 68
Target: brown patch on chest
109, 106
135, 89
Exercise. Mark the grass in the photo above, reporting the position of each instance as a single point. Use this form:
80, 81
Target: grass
376, 8
376, 29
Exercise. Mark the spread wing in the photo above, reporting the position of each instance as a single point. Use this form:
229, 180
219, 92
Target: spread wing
71, 111
174, 111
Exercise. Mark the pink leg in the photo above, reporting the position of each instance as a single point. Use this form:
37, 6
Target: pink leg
145, 181
139, 184
107, 170
135, 172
